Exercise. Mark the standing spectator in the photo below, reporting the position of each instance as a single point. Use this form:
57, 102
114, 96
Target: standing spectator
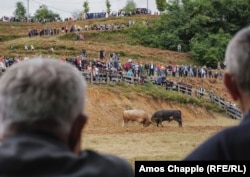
116, 64
42, 115
173, 70
32, 47
179, 47
190, 71
158, 69
203, 72
146, 66
86, 27
78, 63
151, 69
195, 71
30, 33
66, 29
130, 73
7, 62
218, 66
26, 47
140, 70
127, 66
84, 53
102, 54
95, 72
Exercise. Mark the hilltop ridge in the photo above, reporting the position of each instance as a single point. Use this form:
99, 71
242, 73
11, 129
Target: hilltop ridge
66, 45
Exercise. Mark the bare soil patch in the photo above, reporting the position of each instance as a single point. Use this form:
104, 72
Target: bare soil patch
105, 134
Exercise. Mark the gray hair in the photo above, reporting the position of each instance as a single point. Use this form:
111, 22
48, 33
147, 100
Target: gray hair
41, 92
238, 58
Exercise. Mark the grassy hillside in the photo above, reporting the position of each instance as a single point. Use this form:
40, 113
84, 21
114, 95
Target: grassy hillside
106, 103
118, 41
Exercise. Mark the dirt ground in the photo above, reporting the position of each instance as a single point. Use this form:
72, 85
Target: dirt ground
104, 131
105, 108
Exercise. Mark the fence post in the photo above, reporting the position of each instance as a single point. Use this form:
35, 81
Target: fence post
91, 77
108, 79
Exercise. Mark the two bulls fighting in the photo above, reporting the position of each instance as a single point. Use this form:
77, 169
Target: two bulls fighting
157, 118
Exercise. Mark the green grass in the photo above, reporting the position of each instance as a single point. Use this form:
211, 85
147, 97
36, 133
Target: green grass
9, 37
158, 92
68, 36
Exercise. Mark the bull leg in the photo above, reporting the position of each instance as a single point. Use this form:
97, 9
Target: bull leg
157, 123
179, 121
160, 122
144, 123
154, 122
140, 121
124, 122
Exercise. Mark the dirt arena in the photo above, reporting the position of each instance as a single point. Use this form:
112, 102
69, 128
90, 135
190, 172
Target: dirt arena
104, 132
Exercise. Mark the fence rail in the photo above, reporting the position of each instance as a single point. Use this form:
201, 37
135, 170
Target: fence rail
112, 78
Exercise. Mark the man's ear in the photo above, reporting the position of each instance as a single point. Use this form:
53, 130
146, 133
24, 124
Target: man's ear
75, 133
232, 86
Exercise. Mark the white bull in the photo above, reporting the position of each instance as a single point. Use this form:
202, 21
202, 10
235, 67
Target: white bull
139, 116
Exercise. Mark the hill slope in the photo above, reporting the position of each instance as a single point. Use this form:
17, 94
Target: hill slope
105, 106
104, 132
65, 45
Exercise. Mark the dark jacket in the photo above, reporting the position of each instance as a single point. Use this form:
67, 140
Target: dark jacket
41, 155
230, 144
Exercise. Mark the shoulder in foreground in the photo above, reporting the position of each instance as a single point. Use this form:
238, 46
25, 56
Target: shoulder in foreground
109, 165
225, 145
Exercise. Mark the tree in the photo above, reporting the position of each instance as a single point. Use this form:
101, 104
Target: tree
43, 13
130, 6
108, 5
161, 5
86, 6
210, 50
202, 27
20, 11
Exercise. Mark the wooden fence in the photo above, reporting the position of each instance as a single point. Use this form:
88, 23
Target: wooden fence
112, 78
229, 108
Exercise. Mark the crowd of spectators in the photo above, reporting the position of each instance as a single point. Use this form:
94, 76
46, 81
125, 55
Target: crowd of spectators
50, 31
157, 72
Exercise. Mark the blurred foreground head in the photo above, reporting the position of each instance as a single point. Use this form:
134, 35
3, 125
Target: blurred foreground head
237, 76
41, 94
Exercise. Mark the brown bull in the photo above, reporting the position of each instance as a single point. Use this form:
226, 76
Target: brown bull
139, 116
